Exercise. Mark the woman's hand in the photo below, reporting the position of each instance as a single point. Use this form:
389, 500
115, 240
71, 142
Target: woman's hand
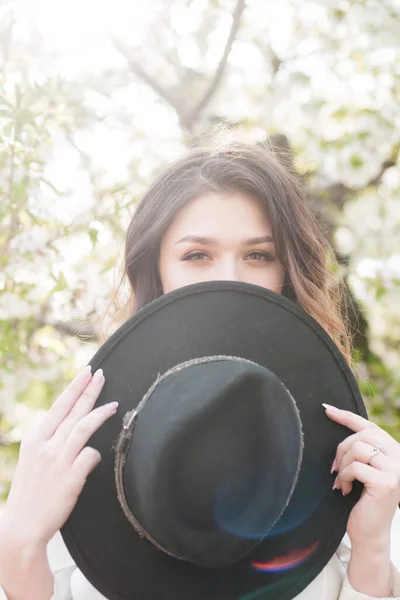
54, 463
371, 518
372, 457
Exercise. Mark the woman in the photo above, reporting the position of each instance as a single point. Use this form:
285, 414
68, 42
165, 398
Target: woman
233, 213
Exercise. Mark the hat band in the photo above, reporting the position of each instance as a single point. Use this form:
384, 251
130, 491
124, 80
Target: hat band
125, 438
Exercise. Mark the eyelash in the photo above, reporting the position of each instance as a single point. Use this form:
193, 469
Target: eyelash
193, 255
267, 255
196, 255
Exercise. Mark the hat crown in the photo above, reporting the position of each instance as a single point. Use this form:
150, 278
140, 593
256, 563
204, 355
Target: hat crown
204, 460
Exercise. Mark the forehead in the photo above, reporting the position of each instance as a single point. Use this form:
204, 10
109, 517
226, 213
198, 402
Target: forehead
221, 212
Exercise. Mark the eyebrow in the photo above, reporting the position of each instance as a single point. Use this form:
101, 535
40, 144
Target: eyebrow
207, 241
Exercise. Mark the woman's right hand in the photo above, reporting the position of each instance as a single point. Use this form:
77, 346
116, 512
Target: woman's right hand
54, 463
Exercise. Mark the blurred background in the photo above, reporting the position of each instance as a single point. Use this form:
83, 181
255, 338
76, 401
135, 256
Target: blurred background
96, 95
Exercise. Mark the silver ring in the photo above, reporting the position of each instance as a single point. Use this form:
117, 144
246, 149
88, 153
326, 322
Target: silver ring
375, 451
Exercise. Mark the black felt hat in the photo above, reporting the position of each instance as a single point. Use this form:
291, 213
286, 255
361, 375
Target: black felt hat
215, 474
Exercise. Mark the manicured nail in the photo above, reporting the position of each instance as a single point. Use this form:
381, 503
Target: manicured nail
97, 377
335, 487
87, 370
329, 407
112, 407
343, 494
333, 466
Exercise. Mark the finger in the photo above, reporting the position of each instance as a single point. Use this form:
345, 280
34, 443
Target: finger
62, 406
83, 407
85, 428
347, 418
371, 435
377, 482
363, 452
86, 461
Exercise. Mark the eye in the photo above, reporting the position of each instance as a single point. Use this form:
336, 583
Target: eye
196, 256
259, 256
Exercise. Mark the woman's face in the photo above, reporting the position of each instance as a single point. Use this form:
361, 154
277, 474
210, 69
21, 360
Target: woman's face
220, 237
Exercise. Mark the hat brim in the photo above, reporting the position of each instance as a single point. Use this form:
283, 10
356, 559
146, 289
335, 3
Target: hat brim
235, 319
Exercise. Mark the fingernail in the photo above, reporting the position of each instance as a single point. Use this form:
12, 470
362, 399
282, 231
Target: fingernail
87, 370
343, 494
333, 466
335, 487
97, 377
113, 406
329, 407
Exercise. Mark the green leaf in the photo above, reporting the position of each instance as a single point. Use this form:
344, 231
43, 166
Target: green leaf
61, 283
380, 290
339, 14
382, 211
93, 234
341, 113
356, 162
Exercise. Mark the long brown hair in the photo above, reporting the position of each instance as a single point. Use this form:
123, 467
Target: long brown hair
300, 242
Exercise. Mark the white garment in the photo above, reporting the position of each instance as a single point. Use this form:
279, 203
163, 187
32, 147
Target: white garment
330, 584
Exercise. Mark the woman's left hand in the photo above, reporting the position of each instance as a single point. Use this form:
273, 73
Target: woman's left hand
371, 518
